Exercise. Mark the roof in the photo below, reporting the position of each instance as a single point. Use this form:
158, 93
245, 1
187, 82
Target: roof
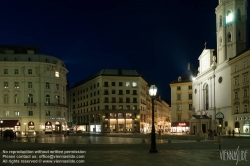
110, 72
245, 50
19, 49
185, 77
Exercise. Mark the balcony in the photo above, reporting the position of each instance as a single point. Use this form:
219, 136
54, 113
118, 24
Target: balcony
29, 104
55, 104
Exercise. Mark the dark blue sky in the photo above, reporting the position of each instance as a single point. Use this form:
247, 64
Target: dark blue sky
157, 38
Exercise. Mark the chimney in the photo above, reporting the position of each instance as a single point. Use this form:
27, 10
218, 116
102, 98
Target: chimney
188, 66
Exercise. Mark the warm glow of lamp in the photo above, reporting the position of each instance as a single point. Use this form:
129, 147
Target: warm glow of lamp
152, 90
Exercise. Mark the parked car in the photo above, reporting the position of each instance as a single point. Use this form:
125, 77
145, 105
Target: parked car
71, 131
79, 131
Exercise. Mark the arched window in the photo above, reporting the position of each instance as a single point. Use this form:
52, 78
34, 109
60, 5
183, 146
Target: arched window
239, 34
229, 37
16, 99
6, 99
47, 99
220, 21
229, 17
206, 98
58, 99
238, 15
30, 98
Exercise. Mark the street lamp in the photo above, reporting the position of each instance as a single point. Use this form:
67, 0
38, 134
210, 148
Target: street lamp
1, 121
25, 129
152, 93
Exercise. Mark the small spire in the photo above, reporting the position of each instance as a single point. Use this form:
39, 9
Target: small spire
205, 44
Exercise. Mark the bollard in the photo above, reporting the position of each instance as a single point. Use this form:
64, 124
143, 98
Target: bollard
143, 141
74, 141
36, 140
89, 141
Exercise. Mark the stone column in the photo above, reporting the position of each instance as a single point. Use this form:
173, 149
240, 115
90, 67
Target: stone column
124, 128
132, 125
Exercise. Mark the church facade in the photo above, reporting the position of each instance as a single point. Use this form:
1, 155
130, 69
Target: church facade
212, 86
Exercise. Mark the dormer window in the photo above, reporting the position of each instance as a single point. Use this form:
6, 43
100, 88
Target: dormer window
179, 79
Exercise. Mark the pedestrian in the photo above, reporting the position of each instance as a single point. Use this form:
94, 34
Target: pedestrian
233, 132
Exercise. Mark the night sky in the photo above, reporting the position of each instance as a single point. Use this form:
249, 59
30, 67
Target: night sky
156, 38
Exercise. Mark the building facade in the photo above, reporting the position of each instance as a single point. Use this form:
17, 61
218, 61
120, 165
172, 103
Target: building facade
33, 90
182, 100
240, 91
110, 101
212, 86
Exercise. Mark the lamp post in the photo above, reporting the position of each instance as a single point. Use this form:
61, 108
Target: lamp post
25, 129
1, 121
152, 93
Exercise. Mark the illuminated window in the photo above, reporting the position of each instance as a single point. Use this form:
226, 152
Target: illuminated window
134, 84
6, 85
56, 74
16, 84
229, 17
17, 113
127, 84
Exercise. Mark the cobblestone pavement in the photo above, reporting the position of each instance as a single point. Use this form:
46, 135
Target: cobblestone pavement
170, 154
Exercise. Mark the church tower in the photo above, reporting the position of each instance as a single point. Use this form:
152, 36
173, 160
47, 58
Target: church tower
231, 28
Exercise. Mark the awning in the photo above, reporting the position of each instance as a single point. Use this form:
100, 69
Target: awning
9, 123
180, 124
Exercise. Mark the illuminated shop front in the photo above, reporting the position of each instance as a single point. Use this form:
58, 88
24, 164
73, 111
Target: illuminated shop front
179, 127
48, 127
31, 126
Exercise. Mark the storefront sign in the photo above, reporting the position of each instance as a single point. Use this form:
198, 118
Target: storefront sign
57, 118
181, 124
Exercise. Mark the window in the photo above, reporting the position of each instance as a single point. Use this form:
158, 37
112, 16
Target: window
128, 107
106, 84
5, 71
6, 85
106, 99
30, 113
190, 106
235, 68
134, 107
113, 83
29, 71
56, 74
16, 98
245, 78
127, 92
47, 113
17, 113
113, 99
190, 87
134, 84
113, 107
229, 37
127, 100
120, 100
58, 99
106, 107
120, 107
6, 99
134, 100
57, 86
245, 64
127, 84
179, 107
29, 59
47, 99
120, 92
179, 118
178, 88
120, 83
229, 16
178, 97
47, 60
245, 108
7, 113
236, 95
29, 84
58, 113
190, 96
236, 81
16, 84
113, 91
134, 92
30, 98
106, 92
238, 15
16, 71
220, 21
47, 85
245, 93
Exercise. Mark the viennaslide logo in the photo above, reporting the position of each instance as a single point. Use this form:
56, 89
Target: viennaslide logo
234, 155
